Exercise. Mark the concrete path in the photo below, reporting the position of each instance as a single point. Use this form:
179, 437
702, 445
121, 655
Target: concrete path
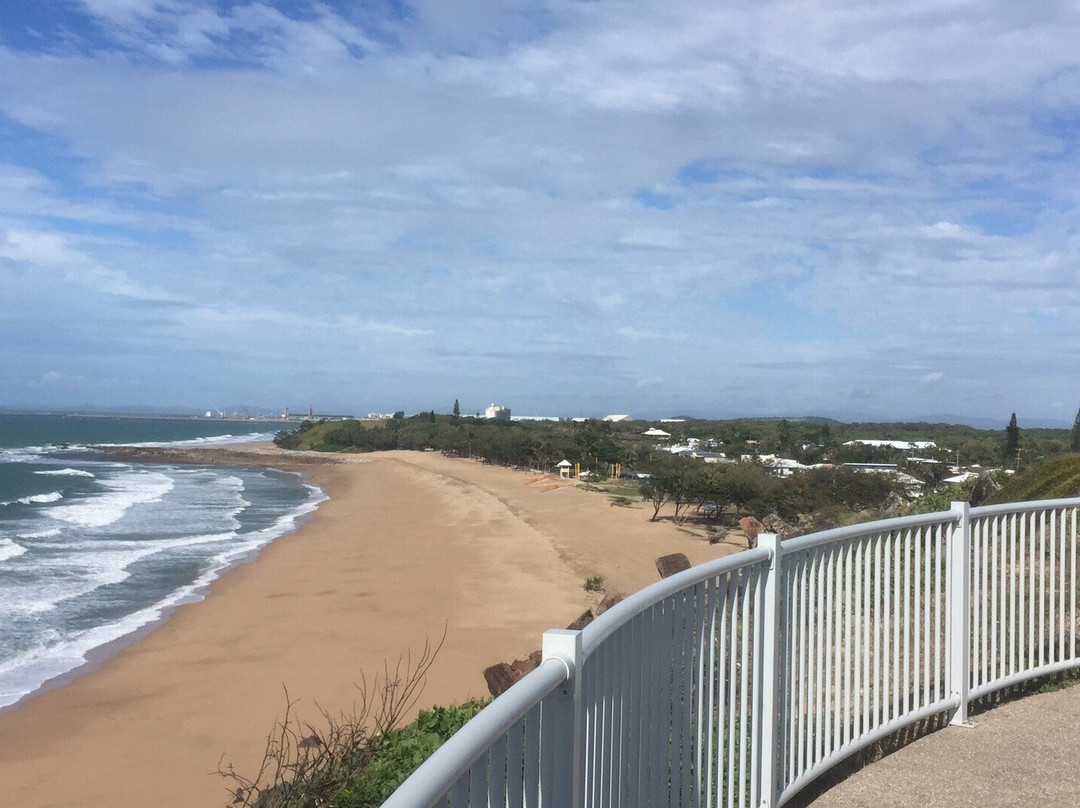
1024, 753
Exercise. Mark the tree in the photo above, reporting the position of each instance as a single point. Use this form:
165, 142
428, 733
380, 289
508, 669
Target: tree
1076, 433
1012, 441
744, 482
784, 443
457, 409
671, 479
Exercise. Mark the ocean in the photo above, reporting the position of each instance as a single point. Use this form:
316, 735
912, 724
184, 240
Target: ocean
91, 550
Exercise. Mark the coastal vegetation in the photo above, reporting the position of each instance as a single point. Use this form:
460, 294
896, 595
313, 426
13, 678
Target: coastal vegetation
1051, 479
711, 493
684, 489
595, 443
355, 759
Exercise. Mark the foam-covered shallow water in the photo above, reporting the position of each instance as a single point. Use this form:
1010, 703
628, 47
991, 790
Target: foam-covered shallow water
92, 550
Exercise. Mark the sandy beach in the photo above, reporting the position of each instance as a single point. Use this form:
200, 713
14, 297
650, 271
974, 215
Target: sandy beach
409, 544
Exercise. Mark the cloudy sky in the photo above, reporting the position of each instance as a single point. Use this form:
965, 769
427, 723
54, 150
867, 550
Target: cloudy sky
776, 208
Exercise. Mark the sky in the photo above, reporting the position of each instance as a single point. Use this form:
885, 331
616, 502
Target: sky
860, 209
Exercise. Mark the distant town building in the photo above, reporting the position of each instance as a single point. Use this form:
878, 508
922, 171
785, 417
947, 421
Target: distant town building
617, 418
498, 413
902, 445
656, 433
673, 420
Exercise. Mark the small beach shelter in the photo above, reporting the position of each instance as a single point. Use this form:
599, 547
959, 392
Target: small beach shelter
564, 468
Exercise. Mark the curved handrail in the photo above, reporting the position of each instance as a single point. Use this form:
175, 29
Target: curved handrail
883, 624
838, 534
1010, 507
622, 612
453, 759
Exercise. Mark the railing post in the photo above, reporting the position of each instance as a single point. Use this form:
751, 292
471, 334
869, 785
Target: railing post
563, 721
959, 611
771, 669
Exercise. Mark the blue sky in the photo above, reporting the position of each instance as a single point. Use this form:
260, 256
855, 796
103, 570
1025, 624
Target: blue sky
566, 207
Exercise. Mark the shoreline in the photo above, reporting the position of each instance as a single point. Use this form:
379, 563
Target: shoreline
96, 656
408, 545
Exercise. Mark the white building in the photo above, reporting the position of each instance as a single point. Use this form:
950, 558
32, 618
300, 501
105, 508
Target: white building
902, 445
498, 413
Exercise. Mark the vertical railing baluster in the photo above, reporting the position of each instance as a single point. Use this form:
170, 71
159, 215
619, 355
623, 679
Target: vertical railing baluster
828, 642
744, 687
733, 690
879, 628
849, 628
897, 618
769, 629
959, 597
806, 731
1001, 529
1041, 657
1072, 583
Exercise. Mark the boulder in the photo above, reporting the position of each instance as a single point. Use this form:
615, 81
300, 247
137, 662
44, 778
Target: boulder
582, 621
895, 505
500, 678
985, 487
751, 527
610, 599
670, 564
774, 524
522, 667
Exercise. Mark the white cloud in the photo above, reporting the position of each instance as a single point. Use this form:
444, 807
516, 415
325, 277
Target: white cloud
396, 330
841, 184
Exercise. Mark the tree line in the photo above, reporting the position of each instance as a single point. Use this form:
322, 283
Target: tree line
713, 491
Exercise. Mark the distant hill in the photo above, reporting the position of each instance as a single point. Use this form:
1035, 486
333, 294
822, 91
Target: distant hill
1054, 479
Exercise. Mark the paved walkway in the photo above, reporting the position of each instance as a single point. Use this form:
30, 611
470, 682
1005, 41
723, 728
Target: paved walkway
1024, 753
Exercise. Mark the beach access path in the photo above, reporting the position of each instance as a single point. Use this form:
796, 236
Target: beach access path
409, 544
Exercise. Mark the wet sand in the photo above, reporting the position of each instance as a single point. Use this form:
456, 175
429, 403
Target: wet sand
410, 544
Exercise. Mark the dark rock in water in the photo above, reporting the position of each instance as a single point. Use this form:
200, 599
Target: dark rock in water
670, 564
984, 488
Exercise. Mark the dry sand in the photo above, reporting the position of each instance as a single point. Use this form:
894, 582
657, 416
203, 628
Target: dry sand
409, 544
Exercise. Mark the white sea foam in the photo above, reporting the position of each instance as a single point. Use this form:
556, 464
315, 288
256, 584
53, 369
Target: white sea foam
54, 655
10, 549
41, 534
65, 473
213, 440
42, 499
124, 492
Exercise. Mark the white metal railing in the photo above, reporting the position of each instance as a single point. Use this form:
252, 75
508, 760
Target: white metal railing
738, 682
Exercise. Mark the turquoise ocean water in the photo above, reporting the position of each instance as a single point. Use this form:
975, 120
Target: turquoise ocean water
91, 550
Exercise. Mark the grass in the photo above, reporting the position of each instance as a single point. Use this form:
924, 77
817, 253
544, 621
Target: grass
1053, 479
